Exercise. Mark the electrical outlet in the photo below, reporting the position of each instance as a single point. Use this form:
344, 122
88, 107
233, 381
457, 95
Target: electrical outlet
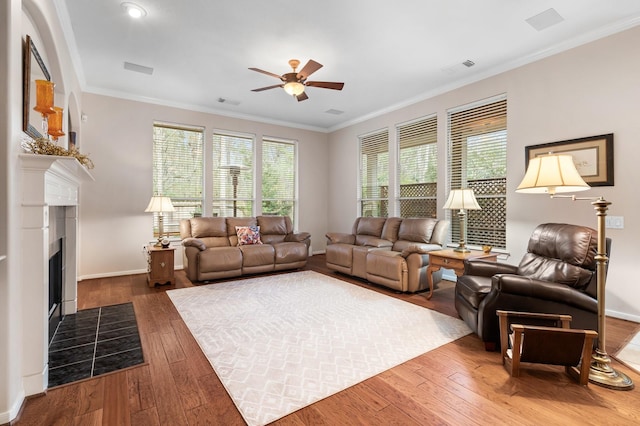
614, 222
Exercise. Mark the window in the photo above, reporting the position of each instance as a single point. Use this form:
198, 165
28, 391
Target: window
233, 176
177, 172
374, 174
478, 160
278, 178
418, 168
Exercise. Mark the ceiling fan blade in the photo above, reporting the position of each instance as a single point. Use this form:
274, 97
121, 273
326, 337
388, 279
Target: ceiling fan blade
302, 97
325, 84
311, 67
267, 88
266, 72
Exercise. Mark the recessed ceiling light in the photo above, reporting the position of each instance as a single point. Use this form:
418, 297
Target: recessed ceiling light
133, 10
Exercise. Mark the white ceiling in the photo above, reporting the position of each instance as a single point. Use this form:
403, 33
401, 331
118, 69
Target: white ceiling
388, 54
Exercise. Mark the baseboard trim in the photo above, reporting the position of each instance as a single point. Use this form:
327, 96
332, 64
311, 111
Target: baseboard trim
622, 315
8, 416
117, 274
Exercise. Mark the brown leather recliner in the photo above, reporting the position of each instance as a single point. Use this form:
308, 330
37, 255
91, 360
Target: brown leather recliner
557, 275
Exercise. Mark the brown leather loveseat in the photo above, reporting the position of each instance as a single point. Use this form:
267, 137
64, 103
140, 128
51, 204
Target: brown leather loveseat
393, 252
212, 249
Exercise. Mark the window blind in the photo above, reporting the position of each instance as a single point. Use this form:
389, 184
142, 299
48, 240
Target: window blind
477, 159
178, 172
418, 168
233, 188
374, 174
279, 177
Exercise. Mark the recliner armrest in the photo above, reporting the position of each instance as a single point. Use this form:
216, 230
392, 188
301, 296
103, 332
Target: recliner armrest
487, 268
194, 242
544, 290
340, 237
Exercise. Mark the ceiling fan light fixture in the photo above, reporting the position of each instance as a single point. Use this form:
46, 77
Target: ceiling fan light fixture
133, 10
294, 88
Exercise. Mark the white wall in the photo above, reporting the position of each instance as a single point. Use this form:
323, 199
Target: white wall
590, 90
118, 137
18, 18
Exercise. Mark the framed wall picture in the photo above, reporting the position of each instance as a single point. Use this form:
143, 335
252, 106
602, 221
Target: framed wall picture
593, 156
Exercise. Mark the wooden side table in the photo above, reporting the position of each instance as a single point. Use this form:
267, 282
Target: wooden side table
450, 259
160, 265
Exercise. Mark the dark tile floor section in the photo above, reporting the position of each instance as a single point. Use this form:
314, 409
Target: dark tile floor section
93, 342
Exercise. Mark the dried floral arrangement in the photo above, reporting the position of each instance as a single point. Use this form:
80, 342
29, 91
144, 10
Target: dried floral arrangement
45, 147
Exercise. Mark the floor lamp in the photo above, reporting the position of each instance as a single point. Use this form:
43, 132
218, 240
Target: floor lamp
159, 204
462, 199
556, 173
234, 172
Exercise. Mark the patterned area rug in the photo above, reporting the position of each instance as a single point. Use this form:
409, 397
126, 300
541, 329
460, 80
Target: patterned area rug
630, 354
282, 342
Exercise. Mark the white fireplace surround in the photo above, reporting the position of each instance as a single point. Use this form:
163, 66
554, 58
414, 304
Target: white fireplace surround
47, 181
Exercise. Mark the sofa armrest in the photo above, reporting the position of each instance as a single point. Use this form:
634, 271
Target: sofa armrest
487, 268
419, 249
544, 290
194, 242
340, 237
297, 238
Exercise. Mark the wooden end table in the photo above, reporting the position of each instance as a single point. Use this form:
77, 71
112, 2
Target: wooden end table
450, 259
160, 269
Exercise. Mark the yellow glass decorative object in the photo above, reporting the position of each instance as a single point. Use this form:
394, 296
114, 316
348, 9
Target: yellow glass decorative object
55, 123
44, 97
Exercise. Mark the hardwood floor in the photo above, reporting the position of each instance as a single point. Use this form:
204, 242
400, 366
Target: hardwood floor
458, 383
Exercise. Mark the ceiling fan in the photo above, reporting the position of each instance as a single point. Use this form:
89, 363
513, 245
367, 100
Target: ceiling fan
294, 82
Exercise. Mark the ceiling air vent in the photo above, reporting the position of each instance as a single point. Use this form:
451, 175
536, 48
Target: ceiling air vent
468, 63
545, 19
138, 68
334, 111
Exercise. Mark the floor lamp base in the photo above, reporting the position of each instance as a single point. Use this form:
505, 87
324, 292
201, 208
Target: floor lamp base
602, 374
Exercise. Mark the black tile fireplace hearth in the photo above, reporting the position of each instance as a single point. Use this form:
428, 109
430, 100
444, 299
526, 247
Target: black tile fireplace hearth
93, 342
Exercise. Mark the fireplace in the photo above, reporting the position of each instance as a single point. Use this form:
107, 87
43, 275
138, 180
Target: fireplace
56, 278
50, 193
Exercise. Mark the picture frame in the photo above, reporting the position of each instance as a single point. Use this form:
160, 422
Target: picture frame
593, 156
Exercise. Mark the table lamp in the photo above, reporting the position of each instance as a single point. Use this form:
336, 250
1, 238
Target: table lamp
462, 199
159, 204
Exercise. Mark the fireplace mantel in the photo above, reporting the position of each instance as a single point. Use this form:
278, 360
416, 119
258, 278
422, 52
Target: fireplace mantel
52, 179
47, 181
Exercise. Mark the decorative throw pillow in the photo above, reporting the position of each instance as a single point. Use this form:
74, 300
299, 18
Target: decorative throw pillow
248, 235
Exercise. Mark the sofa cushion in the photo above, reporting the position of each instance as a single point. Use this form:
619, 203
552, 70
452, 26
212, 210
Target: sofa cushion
370, 226
248, 235
208, 227
220, 259
257, 255
290, 252
278, 225
417, 229
391, 227
370, 241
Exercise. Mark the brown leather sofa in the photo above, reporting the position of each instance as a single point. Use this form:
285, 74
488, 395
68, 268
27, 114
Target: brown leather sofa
393, 252
211, 249
557, 275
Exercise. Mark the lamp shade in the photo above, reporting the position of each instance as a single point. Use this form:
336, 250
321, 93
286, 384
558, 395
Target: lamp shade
160, 204
550, 174
462, 199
